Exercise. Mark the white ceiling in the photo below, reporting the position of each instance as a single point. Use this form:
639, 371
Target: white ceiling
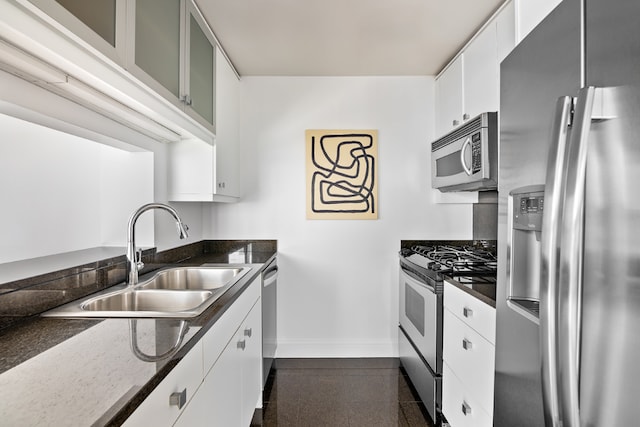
344, 37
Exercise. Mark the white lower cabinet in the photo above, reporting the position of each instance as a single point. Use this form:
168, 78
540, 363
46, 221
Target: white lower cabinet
460, 406
221, 374
469, 359
157, 410
232, 388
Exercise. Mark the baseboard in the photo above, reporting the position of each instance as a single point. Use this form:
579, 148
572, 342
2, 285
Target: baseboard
328, 349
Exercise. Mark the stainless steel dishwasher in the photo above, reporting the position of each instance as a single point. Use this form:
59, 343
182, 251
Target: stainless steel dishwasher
269, 317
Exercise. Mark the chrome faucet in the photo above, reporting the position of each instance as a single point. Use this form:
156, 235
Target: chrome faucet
134, 257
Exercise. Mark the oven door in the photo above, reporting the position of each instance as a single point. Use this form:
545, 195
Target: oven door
421, 318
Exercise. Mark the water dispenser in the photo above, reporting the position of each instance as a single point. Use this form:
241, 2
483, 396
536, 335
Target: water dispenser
526, 205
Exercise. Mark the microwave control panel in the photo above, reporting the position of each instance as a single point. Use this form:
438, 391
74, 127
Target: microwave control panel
476, 152
528, 207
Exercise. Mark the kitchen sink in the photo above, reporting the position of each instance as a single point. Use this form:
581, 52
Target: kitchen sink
189, 278
147, 301
175, 292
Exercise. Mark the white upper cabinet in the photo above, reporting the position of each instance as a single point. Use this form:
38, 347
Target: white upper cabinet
148, 64
529, 13
470, 84
227, 162
202, 172
449, 97
173, 52
506, 30
481, 74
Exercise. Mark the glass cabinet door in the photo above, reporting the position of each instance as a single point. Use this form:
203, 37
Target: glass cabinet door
157, 41
99, 15
200, 87
100, 23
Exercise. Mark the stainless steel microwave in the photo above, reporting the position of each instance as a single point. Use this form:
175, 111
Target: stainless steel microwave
466, 159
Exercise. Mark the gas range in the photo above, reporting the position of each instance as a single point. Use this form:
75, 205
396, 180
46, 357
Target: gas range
467, 264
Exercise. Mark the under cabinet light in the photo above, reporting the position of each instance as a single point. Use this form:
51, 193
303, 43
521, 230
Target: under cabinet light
32, 69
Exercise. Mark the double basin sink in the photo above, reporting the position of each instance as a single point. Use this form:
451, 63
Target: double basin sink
175, 292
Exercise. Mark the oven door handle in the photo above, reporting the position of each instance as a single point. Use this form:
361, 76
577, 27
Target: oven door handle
416, 279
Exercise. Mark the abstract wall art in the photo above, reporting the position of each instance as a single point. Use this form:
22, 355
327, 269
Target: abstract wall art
342, 174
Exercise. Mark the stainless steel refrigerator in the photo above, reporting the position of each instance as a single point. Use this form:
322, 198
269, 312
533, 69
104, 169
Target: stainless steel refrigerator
568, 298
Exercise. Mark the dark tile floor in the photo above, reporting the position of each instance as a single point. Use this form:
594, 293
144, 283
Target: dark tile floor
340, 393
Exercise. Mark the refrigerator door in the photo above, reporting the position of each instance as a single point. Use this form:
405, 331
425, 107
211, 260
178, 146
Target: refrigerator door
544, 66
609, 367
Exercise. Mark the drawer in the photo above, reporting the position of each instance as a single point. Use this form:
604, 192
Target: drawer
475, 313
185, 376
216, 339
471, 357
459, 407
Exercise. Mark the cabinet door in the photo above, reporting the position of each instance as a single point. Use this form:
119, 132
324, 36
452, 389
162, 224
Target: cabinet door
218, 400
449, 98
506, 30
199, 83
251, 333
154, 45
529, 13
99, 23
156, 409
227, 129
461, 408
480, 74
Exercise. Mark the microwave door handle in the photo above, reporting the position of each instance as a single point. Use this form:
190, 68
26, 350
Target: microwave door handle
550, 241
466, 168
571, 259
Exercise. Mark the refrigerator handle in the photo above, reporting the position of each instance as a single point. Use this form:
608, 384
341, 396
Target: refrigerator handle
550, 241
571, 258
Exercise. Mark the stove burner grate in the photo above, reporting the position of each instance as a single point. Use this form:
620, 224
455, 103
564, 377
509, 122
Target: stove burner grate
464, 260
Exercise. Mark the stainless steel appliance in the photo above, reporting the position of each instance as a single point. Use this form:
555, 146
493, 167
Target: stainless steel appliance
422, 270
466, 159
269, 317
570, 102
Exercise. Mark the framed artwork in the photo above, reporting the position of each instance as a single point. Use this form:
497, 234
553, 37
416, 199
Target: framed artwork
342, 174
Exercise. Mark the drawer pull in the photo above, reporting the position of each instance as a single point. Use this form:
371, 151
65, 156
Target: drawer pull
247, 332
466, 409
466, 344
178, 398
242, 344
467, 312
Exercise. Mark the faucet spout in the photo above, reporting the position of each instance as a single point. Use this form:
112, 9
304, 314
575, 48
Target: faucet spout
134, 260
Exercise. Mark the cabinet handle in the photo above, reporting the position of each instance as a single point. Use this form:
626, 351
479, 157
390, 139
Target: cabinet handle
466, 344
242, 344
221, 185
178, 398
466, 409
465, 116
467, 312
247, 332
455, 122
186, 99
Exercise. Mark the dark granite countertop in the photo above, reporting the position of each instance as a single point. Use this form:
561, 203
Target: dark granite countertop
83, 372
485, 292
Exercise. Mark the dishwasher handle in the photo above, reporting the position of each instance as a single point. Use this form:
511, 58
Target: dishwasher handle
270, 276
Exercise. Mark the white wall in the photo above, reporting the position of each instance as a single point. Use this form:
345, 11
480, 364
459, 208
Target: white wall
338, 279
